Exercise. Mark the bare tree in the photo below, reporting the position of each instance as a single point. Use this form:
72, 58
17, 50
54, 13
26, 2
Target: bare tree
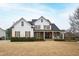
74, 22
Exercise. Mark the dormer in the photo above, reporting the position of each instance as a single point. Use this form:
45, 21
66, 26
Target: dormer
42, 24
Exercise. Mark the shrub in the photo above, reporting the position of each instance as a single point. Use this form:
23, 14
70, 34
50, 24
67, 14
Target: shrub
24, 39
59, 39
71, 39
2, 38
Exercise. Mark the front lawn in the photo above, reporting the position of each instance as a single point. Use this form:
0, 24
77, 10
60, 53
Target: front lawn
39, 48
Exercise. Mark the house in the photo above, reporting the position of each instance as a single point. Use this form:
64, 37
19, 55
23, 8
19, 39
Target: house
39, 28
2, 34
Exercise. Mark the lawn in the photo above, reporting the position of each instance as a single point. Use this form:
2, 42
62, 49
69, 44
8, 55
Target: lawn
39, 48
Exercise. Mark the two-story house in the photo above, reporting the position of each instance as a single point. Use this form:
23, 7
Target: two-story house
39, 28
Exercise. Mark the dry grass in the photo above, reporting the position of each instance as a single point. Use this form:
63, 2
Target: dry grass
42, 48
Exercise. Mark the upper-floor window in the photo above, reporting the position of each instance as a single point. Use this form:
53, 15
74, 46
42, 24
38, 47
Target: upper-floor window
37, 27
41, 20
47, 27
22, 23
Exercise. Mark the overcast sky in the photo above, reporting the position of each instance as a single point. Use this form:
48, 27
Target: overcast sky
57, 13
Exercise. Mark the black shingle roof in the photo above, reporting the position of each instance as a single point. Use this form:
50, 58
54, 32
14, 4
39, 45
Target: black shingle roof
33, 20
30, 22
54, 27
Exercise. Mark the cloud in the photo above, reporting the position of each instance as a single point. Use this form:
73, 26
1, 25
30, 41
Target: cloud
10, 13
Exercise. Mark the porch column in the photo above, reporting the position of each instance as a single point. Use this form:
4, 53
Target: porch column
44, 35
52, 35
62, 35
5, 37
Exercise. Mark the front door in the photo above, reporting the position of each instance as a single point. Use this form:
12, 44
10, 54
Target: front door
48, 35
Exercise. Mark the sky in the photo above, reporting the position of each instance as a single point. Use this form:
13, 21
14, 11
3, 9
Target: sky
57, 13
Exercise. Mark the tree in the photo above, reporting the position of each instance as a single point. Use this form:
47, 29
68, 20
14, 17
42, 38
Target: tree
74, 22
8, 34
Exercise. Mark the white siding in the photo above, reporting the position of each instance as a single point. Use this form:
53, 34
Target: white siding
2, 33
45, 22
22, 29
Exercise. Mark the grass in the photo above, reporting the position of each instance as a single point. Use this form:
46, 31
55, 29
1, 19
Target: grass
39, 48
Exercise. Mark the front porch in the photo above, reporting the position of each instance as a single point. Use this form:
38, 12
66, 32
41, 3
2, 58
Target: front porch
47, 35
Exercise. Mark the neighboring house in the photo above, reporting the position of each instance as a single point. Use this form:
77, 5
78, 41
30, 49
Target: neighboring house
2, 34
39, 28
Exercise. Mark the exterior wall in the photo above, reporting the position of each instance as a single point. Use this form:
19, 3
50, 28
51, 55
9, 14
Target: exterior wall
38, 22
22, 29
2, 33
28, 27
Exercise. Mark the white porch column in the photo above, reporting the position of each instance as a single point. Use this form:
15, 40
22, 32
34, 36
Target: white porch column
5, 37
44, 35
62, 35
52, 35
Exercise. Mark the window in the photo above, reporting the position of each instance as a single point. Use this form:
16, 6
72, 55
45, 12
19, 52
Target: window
22, 23
27, 33
17, 33
47, 27
37, 35
41, 20
37, 27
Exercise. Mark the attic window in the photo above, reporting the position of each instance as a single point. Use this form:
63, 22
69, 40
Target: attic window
22, 23
41, 20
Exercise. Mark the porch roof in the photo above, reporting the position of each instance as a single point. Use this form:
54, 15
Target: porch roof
47, 31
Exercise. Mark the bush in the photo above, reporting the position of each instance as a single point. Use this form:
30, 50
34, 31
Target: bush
2, 38
71, 39
59, 39
24, 39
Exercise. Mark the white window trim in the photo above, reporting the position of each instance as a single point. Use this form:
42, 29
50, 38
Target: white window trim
17, 33
37, 27
27, 33
47, 27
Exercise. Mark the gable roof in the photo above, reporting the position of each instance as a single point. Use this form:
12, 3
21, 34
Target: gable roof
30, 22
34, 20
2, 29
19, 21
54, 27
45, 19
